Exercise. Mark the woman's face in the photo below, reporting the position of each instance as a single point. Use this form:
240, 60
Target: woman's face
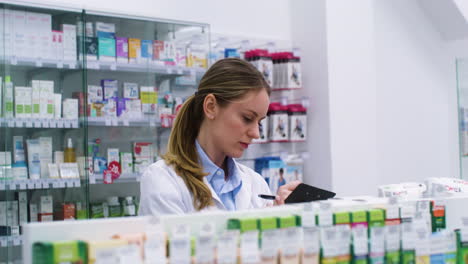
237, 124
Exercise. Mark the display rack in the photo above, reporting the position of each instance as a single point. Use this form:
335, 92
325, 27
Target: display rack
72, 72
312, 215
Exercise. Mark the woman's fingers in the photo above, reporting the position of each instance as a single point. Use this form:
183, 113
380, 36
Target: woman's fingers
284, 191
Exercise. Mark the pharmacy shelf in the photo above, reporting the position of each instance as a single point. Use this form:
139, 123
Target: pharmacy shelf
97, 178
9, 241
104, 65
41, 63
119, 121
39, 123
39, 184
143, 68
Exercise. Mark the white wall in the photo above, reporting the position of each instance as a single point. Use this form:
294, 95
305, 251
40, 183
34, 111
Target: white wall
390, 92
267, 19
416, 96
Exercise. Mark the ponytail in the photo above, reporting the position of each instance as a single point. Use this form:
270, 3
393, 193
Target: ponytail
182, 153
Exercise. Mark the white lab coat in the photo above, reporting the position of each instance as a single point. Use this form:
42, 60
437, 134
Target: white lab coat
162, 191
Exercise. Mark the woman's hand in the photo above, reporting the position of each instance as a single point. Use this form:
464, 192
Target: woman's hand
284, 191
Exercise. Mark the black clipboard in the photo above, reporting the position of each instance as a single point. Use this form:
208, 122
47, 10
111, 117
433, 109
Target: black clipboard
306, 193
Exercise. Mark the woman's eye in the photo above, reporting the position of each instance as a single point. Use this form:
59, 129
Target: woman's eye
247, 119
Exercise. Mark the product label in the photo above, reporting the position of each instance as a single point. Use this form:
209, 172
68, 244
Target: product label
325, 216
227, 247
311, 240
377, 240
290, 241
249, 247
270, 242
180, 246
392, 238
328, 236
360, 240
205, 249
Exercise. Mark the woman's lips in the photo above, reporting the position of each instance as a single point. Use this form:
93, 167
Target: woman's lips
244, 145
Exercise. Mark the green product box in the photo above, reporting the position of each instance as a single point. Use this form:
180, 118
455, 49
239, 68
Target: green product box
408, 257
267, 223
392, 257
244, 225
438, 217
115, 211
462, 249
359, 217
286, 221
97, 211
341, 218
60, 252
376, 217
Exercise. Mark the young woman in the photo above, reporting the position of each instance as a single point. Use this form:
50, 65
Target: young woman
213, 127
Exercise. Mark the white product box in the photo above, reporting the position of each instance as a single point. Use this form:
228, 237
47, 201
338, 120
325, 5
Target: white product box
104, 30
47, 99
70, 108
33, 212
94, 94
53, 171
112, 155
36, 99
46, 204
130, 90
45, 155
58, 157
126, 162
23, 207
279, 127
57, 105
20, 48
57, 45
298, 127
110, 108
45, 37
7, 30
8, 102
133, 108
23, 101
33, 28
111, 88
69, 42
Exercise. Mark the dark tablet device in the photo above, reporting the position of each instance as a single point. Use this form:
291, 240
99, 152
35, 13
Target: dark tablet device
306, 193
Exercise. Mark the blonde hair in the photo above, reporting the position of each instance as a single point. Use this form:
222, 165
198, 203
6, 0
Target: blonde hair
228, 80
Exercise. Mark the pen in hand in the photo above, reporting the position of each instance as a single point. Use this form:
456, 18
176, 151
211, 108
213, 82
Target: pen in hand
267, 197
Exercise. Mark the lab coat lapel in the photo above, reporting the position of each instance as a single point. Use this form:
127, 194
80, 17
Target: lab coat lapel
215, 197
244, 195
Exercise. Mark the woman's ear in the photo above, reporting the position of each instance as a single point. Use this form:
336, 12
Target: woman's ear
210, 107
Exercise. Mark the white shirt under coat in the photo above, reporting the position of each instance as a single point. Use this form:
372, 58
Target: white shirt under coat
162, 191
